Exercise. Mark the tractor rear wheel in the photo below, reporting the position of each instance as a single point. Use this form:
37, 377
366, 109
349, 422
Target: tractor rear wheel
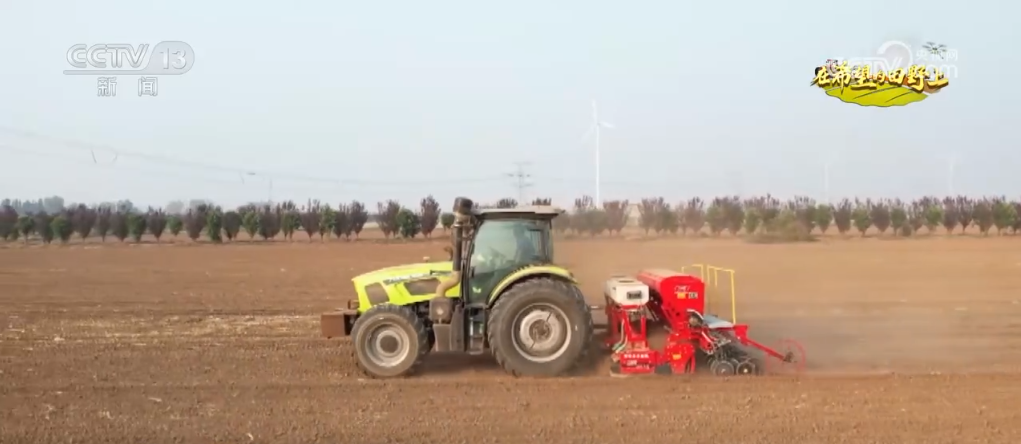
390, 341
540, 327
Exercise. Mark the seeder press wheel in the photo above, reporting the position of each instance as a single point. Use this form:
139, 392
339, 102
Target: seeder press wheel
789, 358
723, 367
740, 366
747, 367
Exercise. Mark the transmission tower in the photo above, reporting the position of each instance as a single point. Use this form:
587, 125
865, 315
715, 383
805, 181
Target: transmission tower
520, 178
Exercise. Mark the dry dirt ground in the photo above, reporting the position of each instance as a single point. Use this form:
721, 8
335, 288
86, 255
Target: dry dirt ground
907, 340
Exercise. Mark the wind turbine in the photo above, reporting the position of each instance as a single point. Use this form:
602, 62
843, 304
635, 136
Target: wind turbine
595, 128
826, 181
951, 170
827, 164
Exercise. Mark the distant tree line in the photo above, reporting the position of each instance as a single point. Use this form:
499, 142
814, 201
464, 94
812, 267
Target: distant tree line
55, 204
49, 220
762, 217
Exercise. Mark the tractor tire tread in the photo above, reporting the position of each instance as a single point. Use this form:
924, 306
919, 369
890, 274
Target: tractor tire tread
559, 286
406, 314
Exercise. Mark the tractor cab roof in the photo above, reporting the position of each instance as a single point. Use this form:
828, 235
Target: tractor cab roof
538, 212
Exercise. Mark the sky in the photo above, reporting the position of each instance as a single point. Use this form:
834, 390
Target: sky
342, 100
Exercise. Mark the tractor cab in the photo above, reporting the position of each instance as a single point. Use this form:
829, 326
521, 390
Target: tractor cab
493, 250
499, 242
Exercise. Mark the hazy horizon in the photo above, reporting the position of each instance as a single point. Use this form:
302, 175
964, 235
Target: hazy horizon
341, 101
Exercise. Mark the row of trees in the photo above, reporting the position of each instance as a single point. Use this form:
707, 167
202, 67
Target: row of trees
765, 215
802, 216
257, 221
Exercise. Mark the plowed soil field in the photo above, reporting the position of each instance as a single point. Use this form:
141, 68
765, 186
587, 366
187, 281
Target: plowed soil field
908, 341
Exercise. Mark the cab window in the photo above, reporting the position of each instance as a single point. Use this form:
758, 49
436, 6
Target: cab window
514, 241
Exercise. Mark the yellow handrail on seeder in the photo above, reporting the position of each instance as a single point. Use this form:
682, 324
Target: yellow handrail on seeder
710, 275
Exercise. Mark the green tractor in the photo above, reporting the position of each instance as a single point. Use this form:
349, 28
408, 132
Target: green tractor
500, 293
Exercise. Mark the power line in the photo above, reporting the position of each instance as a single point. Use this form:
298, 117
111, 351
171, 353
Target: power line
232, 176
269, 175
520, 177
580, 181
110, 165
111, 161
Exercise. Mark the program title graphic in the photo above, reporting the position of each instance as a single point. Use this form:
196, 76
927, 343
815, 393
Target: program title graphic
884, 80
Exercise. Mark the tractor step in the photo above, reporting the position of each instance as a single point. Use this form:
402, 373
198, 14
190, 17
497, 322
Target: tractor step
477, 344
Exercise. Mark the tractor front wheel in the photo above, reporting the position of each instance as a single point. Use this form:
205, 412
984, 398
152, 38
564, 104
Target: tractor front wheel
389, 341
540, 327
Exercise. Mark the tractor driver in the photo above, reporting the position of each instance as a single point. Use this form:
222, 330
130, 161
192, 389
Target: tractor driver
506, 249
525, 247
514, 245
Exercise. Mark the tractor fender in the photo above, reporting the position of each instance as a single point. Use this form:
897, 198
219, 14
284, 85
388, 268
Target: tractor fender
530, 272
